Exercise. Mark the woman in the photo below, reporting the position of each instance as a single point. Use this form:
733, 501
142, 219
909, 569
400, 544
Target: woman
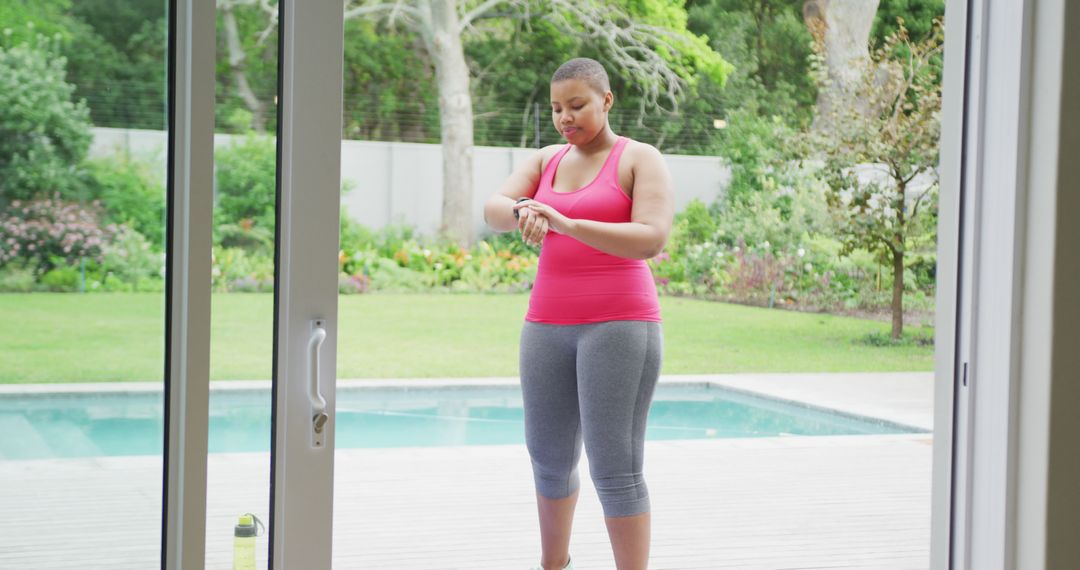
592, 345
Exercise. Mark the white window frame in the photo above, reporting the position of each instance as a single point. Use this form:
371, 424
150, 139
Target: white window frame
999, 155
311, 43
191, 160
309, 192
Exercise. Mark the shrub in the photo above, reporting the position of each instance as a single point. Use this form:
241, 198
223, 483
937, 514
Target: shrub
61, 279
131, 195
907, 339
52, 232
44, 136
235, 269
129, 263
352, 284
246, 192
16, 279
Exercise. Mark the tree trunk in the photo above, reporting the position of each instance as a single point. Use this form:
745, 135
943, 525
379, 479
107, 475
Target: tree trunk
236, 65
456, 120
841, 31
898, 294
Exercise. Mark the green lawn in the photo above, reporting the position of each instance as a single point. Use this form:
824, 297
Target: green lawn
108, 337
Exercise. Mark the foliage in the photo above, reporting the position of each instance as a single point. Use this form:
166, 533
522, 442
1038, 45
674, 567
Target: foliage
769, 46
61, 279
512, 65
391, 91
130, 263
770, 240
881, 159
44, 135
873, 159
115, 53
16, 278
259, 65
395, 259
23, 22
123, 75
246, 193
131, 195
235, 269
918, 17
758, 150
51, 233
908, 339
389, 94
682, 123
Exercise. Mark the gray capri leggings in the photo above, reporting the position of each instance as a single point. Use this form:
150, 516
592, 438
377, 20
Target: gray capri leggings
593, 382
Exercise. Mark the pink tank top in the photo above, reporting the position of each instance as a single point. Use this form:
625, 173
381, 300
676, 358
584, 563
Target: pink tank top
578, 284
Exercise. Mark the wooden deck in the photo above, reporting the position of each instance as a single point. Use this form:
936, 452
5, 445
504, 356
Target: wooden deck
769, 503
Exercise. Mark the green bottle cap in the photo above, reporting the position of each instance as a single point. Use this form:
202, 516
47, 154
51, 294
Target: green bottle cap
246, 526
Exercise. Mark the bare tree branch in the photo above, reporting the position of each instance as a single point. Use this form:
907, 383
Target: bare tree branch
629, 45
918, 201
468, 18
396, 10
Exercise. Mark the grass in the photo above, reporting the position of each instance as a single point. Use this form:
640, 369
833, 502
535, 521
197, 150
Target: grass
119, 337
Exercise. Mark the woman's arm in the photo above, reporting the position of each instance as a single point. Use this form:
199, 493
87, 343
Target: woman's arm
522, 183
647, 231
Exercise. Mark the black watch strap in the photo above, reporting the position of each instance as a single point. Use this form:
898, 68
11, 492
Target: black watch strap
517, 214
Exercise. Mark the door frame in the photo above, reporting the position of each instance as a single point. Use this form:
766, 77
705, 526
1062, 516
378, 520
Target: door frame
189, 227
309, 187
310, 44
984, 167
986, 149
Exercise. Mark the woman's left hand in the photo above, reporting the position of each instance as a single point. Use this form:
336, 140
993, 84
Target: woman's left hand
557, 222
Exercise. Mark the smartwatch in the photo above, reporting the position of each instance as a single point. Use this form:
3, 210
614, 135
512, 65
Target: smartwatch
517, 213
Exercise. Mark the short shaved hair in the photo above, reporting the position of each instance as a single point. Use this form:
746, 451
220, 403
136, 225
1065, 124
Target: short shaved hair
588, 70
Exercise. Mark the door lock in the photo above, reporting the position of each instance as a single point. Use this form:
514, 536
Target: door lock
320, 420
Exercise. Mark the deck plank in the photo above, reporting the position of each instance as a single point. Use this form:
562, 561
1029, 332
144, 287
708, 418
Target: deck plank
763, 503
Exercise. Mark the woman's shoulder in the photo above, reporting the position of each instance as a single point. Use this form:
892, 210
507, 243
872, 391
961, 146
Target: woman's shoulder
544, 155
639, 154
638, 149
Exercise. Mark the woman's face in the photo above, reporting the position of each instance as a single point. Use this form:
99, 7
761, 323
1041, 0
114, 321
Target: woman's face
578, 111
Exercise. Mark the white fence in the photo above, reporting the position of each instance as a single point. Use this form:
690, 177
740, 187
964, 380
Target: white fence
401, 183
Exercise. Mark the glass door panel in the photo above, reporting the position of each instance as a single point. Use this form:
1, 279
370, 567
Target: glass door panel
83, 178
242, 338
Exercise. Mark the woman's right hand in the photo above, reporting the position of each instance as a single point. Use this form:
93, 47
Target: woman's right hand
533, 226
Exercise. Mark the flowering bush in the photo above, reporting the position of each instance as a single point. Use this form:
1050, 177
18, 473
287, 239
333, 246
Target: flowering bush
234, 269
52, 232
131, 264
411, 265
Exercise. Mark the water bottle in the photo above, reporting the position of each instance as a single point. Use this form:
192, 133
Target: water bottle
244, 542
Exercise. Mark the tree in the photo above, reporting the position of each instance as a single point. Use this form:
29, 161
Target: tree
511, 60
115, 53
650, 44
44, 135
116, 58
389, 94
243, 45
875, 159
770, 47
841, 31
918, 17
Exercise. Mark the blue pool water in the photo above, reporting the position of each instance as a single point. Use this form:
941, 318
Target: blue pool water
96, 424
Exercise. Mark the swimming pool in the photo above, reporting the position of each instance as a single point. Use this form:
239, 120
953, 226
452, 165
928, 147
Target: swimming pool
89, 424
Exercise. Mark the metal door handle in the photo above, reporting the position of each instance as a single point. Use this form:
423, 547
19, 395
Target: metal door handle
318, 403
